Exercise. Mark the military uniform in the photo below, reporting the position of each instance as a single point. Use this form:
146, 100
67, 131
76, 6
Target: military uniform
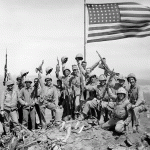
9, 106
48, 99
121, 115
25, 98
136, 98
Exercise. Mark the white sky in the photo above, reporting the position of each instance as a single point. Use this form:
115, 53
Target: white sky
33, 30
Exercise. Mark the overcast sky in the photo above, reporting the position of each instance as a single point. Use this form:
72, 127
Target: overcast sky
33, 30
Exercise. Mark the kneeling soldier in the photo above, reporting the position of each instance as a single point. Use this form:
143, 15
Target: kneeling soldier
121, 114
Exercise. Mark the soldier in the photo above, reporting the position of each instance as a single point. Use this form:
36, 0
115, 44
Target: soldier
49, 97
135, 95
9, 106
75, 83
101, 99
36, 93
67, 91
20, 85
28, 103
121, 114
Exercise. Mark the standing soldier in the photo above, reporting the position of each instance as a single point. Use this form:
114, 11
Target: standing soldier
28, 103
9, 106
67, 91
75, 83
121, 114
136, 98
85, 71
36, 93
20, 85
49, 97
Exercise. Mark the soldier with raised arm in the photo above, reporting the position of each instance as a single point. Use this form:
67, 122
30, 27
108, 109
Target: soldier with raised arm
49, 96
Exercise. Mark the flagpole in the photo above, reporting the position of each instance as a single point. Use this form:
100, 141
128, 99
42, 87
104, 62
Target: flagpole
84, 30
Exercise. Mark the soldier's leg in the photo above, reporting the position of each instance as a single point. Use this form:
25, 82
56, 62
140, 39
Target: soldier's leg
14, 118
90, 104
109, 124
42, 113
1, 129
32, 115
25, 117
120, 126
7, 121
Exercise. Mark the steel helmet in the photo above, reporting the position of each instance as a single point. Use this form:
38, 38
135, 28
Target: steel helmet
66, 68
48, 77
24, 72
64, 59
28, 80
48, 70
121, 90
131, 75
102, 77
92, 75
79, 57
18, 78
9, 82
121, 77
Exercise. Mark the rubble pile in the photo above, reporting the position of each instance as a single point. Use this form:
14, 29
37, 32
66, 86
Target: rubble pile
85, 135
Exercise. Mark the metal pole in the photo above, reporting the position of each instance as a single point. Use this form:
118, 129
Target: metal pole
84, 30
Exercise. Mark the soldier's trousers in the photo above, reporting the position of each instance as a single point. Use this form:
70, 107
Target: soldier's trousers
95, 104
77, 103
26, 113
14, 118
48, 105
136, 114
114, 122
1, 129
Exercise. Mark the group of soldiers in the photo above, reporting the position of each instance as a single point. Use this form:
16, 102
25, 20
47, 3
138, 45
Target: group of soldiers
115, 100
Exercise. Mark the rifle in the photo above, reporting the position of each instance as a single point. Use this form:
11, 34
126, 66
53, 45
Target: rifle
107, 84
5, 71
104, 64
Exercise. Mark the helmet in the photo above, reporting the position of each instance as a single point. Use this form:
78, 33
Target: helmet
74, 67
64, 59
48, 77
9, 82
66, 68
18, 78
79, 57
102, 77
131, 75
92, 75
121, 77
48, 70
28, 80
121, 90
24, 72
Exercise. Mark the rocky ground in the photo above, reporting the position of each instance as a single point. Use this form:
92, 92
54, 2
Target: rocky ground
92, 137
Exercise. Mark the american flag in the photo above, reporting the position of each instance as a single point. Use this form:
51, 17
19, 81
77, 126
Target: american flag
114, 21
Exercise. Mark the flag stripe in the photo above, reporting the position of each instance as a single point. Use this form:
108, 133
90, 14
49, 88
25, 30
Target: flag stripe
117, 31
118, 26
133, 9
135, 15
116, 38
